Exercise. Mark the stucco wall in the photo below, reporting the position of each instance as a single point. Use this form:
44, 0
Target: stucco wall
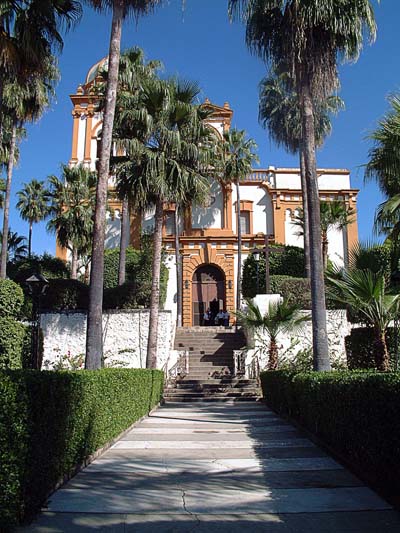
124, 336
291, 344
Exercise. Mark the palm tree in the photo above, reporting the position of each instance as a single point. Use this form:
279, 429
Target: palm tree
17, 248
239, 156
2, 191
365, 293
133, 71
33, 205
168, 156
23, 103
333, 215
72, 208
309, 38
383, 167
120, 9
280, 318
279, 113
30, 34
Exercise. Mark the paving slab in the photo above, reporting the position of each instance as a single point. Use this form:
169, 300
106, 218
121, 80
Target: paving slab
210, 467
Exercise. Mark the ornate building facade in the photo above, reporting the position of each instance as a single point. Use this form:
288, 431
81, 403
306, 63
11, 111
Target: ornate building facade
208, 236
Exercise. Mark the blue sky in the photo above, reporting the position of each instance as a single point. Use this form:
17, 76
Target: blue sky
200, 44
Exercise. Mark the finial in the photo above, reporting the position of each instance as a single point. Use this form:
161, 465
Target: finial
226, 105
80, 90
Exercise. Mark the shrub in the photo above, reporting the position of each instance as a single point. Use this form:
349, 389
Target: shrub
294, 290
14, 339
65, 294
356, 413
360, 348
11, 298
52, 421
111, 264
290, 262
49, 266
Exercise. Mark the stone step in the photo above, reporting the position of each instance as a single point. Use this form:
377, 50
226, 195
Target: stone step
212, 398
228, 381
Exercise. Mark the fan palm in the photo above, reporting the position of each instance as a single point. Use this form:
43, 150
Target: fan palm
33, 205
16, 246
30, 33
133, 71
279, 113
168, 153
23, 103
71, 211
120, 9
280, 318
309, 38
365, 293
238, 158
333, 215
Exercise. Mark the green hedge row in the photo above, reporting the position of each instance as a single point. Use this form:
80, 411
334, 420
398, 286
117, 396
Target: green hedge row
356, 413
52, 421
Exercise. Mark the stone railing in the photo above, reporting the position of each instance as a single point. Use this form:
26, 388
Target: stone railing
242, 368
261, 176
180, 369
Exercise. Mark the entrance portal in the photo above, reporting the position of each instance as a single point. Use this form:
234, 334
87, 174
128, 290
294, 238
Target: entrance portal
208, 286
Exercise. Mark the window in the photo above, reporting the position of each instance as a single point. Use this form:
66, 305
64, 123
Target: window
245, 222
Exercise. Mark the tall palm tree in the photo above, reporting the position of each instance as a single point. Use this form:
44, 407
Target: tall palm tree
133, 72
30, 34
120, 9
71, 211
23, 103
365, 292
168, 157
309, 38
333, 215
33, 205
279, 113
280, 318
239, 156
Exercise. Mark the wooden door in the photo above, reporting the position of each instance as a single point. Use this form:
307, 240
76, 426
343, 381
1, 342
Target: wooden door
208, 291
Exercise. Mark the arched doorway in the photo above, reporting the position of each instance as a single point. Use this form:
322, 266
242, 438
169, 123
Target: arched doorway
208, 291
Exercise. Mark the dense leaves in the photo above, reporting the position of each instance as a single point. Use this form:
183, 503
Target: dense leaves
354, 413
52, 421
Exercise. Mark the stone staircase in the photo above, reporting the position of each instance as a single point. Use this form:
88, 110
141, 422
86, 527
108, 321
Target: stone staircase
210, 374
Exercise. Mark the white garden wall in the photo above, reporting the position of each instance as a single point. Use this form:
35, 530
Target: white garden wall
124, 337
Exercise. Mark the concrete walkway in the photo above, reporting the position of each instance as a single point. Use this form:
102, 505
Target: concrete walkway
215, 467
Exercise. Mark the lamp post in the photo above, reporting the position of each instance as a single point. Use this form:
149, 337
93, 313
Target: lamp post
37, 285
256, 255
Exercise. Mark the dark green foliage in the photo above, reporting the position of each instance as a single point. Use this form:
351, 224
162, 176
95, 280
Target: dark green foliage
11, 298
137, 289
111, 262
65, 294
12, 343
49, 266
288, 263
52, 421
356, 413
360, 348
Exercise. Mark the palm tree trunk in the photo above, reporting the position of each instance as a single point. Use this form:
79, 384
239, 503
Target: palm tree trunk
94, 337
74, 263
123, 241
1, 103
381, 352
325, 250
6, 213
306, 228
239, 240
320, 337
151, 359
178, 261
273, 355
30, 240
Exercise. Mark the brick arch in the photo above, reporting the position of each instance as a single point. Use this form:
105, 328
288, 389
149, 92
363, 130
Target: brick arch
207, 255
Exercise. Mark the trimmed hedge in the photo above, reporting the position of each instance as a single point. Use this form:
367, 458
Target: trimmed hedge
65, 294
14, 343
355, 413
52, 421
111, 264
